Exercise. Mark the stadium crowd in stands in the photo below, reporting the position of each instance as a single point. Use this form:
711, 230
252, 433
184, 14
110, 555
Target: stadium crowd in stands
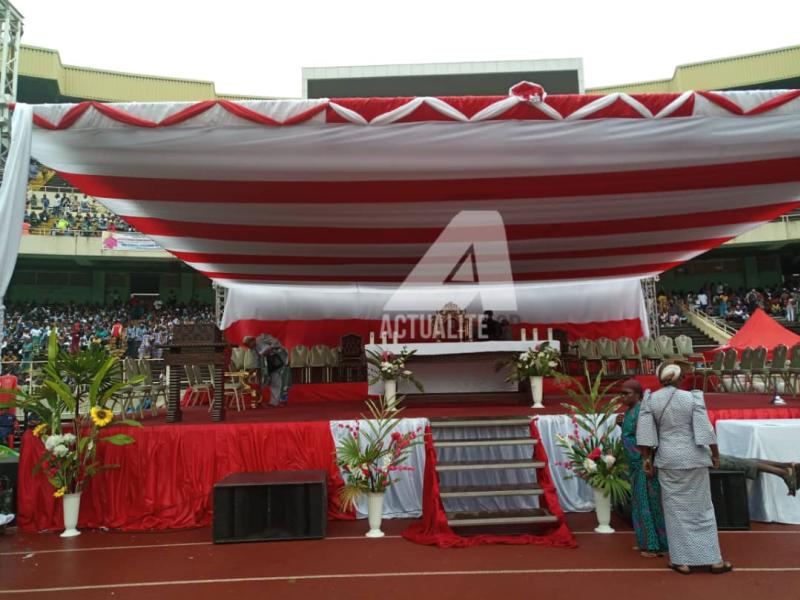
722, 301
134, 329
69, 214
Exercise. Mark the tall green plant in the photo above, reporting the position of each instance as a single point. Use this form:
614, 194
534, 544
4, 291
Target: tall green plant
593, 454
370, 457
74, 404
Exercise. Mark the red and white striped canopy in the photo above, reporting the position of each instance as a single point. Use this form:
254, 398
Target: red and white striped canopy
356, 190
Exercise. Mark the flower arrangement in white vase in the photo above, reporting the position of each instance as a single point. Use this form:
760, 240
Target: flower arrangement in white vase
592, 453
371, 456
535, 364
391, 368
73, 405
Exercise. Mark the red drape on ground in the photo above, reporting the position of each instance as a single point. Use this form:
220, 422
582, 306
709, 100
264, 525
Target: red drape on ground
166, 478
761, 330
433, 530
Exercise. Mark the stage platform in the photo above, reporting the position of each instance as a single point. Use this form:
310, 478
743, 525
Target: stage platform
720, 406
166, 478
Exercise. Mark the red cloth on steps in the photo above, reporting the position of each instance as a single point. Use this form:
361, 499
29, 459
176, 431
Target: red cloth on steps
433, 530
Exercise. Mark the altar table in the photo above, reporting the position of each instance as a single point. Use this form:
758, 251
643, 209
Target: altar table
452, 367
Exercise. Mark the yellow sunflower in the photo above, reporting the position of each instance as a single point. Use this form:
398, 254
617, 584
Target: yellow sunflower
60, 492
101, 416
40, 429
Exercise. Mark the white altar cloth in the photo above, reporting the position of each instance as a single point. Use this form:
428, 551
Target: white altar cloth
452, 367
769, 439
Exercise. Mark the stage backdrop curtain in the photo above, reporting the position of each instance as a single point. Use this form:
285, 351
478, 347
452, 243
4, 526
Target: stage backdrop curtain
433, 530
167, 476
311, 315
403, 499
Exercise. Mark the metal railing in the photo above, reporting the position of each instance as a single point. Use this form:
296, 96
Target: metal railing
715, 328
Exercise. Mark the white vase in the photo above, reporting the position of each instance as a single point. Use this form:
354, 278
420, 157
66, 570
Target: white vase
537, 385
390, 392
602, 508
375, 514
72, 507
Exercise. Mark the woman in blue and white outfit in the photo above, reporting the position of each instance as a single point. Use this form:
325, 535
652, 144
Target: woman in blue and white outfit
675, 423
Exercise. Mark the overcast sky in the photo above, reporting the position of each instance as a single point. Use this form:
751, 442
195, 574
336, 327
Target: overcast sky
259, 47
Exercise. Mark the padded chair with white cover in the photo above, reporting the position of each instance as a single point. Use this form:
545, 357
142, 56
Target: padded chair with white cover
628, 353
318, 359
666, 346
685, 348
588, 353
298, 359
650, 353
335, 363
610, 356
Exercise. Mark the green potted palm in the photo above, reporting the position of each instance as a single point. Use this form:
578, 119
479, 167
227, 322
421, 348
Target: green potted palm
74, 406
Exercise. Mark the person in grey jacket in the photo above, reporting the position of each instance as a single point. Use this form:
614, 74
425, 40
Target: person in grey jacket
675, 424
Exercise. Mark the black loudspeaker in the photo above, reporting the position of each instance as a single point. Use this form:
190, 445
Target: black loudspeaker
9, 471
282, 505
729, 495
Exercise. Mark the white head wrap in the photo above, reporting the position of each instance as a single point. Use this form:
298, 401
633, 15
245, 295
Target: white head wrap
669, 374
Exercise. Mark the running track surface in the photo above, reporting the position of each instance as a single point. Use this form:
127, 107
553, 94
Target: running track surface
184, 564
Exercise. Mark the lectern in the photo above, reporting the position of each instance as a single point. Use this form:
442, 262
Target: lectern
192, 345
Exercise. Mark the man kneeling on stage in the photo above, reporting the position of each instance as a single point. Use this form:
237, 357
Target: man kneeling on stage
272, 363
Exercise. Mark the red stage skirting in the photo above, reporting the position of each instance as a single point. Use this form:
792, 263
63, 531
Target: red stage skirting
166, 478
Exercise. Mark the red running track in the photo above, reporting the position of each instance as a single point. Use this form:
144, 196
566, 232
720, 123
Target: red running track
184, 564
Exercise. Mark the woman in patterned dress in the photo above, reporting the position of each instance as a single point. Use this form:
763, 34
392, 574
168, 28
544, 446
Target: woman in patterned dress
648, 518
676, 423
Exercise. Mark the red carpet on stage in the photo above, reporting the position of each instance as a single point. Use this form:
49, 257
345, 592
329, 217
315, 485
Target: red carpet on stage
166, 478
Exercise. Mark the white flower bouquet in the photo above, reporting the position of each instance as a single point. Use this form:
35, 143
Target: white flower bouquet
540, 361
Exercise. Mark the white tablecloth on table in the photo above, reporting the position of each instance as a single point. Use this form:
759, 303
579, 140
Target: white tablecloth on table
450, 348
768, 439
458, 366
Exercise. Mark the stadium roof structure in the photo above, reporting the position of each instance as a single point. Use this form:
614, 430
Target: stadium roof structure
355, 191
770, 69
43, 78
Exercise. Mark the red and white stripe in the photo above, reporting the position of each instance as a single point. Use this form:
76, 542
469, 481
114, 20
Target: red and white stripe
355, 190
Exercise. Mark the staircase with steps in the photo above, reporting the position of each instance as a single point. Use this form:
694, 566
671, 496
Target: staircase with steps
700, 341
487, 472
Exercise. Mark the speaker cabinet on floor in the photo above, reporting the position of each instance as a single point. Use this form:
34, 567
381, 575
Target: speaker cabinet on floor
729, 495
282, 505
